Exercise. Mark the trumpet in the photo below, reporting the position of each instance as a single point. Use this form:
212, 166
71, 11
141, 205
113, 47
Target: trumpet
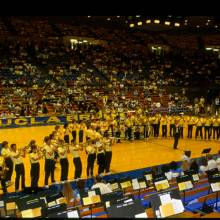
41, 152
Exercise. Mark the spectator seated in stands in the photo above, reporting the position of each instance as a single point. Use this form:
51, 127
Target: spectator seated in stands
80, 188
203, 166
194, 166
175, 170
104, 188
211, 163
218, 162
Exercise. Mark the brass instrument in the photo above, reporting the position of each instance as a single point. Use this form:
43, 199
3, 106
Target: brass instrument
41, 152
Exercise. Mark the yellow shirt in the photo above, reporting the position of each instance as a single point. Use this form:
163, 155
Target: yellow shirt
163, 121
215, 122
16, 157
199, 122
75, 151
172, 119
191, 120
207, 122
33, 157
62, 151
6, 152
49, 152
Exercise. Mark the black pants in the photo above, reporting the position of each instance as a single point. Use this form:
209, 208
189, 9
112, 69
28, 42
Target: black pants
9, 165
108, 158
20, 174
146, 132
3, 183
74, 135
215, 132
118, 134
49, 170
208, 131
137, 135
164, 130
172, 127
78, 167
90, 164
112, 130
128, 133
190, 130
199, 131
56, 155
35, 173
181, 132
80, 136
101, 162
176, 140
64, 169
66, 138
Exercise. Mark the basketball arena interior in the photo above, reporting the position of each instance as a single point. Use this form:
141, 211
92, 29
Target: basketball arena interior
110, 116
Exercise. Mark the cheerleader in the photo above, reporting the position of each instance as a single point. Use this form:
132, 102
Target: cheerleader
34, 156
108, 151
74, 149
64, 163
19, 166
6, 154
90, 149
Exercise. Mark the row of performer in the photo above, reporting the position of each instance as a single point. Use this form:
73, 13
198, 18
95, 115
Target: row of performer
54, 150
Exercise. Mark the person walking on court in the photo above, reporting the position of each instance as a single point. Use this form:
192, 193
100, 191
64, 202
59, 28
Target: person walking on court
176, 134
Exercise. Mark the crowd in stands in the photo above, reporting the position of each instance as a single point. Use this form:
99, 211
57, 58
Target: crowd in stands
40, 76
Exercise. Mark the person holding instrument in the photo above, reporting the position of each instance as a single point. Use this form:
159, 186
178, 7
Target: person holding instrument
6, 154
176, 134
100, 156
108, 151
19, 166
35, 155
90, 150
74, 149
64, 163
3, 170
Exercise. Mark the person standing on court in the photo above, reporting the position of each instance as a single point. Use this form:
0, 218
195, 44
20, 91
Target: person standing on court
191, 122
49, 161
172, 124
64, 163
176, 134
107, 141
199, 124
90, 149
163, 122
100, 156
19, 166
74, 149
35, 155
6, 154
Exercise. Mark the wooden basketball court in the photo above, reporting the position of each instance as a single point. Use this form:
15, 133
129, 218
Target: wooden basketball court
126, 155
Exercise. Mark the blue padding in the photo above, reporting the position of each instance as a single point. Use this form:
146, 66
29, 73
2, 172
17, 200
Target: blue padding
196, 196
194, 206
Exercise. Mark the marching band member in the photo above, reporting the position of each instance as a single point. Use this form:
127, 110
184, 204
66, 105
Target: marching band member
90, 149
191, 121
64, 163
164, 125
74, 149
19, 166
100, 156
2, 174
199, 123
215, 127
207, 127
49, 161
6, 153
34, 156
108, 151
66, 132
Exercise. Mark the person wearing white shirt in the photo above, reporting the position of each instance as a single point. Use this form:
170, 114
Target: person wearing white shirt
64, 163
204, 166
218, 163
49, 161
104, 188
19, 167
211, 163
6, 154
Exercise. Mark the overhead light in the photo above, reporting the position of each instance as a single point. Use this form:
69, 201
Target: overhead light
207, 23
108, 19
176, 24
185, 23
139, 23
208, 20
148, 21
216, 50
170, 16
118, 16
157, 21
186, 20
85, 41
138, 16
197, 26
89, 16
208, 48
131, 25
167, 23
126, 21
216, 26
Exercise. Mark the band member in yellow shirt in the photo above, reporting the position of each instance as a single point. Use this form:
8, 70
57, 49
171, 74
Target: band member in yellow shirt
215, 126
191, 121
172, 124
207, 123
199, 124
163, 122
181, 123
